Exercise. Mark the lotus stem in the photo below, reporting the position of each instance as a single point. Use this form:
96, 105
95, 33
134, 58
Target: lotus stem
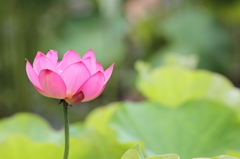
66, 128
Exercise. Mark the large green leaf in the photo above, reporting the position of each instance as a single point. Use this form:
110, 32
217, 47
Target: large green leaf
20, 147
90, 145
172, 86
98, 122
99, 118
26, 134
220, 157
33, 126
94, 145
224, 157
234, 153
136, 153
167, 156
131, 154
195, 129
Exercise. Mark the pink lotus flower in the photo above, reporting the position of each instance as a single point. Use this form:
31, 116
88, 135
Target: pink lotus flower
73, 79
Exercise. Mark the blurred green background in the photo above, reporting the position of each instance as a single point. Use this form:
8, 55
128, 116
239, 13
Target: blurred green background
196, 34
187, 87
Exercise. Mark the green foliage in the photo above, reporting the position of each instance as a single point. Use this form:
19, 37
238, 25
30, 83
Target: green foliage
184, 109
185, 30
29, 136
220, 157
190, 113
21, 147
234, 153
204, 127
224, 157
34, 127
136, 153
133, 153
193, 30
203, 120
107, 39
173, 86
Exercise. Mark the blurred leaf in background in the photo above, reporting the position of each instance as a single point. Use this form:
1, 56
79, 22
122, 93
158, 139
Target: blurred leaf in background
174, 85
193, 30
29, 136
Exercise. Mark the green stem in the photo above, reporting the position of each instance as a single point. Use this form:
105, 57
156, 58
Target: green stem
66, 128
